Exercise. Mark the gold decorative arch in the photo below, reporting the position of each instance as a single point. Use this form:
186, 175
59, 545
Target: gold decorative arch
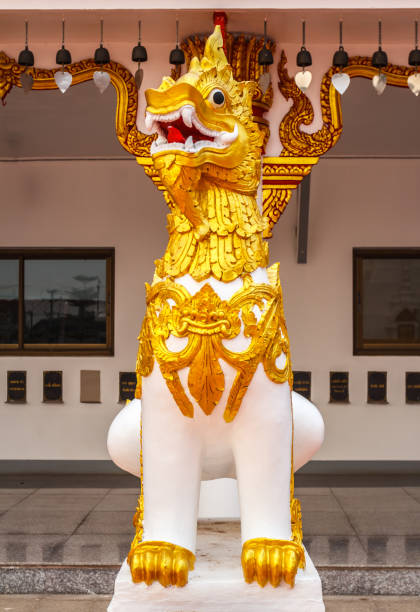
301, 151
131, 139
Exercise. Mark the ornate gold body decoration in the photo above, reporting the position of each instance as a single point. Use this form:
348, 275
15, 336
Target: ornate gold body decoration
207, 321
160, 561
130, 138
265, 560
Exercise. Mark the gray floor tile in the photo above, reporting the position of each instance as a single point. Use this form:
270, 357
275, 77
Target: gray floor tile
311, 503
128, 491
349, 604
10, 499
412, 491
97, 549
40, 521
16, 491
335, 550
326, 523
385, 523
118, 502
20, 603
368, 501
59, 502
72, 491
391, 551
30, 548
312, 491
106, 522
380, 492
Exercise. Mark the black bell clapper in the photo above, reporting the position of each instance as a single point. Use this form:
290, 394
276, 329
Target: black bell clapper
265, 57
379, 58
63, 56
341, 58
102, 54
26, 57
177, 56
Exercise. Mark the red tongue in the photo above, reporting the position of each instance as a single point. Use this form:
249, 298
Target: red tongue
174, 135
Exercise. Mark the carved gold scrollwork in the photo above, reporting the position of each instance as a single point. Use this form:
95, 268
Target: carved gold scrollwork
296, 142
206, 321
131, 139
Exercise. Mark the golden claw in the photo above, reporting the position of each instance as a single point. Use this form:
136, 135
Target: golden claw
271, 561
160, 561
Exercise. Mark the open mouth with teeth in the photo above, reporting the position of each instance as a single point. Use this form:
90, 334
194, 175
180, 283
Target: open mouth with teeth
182, 130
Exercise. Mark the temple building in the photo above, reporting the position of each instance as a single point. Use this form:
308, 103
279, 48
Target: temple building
83, 219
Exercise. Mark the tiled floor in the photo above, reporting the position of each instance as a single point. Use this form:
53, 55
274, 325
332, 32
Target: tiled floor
342, 526
80, 603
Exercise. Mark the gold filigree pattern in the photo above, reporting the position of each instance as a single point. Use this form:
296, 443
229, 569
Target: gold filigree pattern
281, 175
131, 139
206, 321
160, 561
265, 560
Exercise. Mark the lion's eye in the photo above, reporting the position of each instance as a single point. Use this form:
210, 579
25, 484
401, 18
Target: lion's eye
217, 98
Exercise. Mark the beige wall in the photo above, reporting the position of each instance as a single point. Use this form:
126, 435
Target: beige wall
111, 203
354, 202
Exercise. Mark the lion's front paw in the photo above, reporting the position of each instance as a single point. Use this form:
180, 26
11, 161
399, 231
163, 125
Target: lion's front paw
271, 561
160, 561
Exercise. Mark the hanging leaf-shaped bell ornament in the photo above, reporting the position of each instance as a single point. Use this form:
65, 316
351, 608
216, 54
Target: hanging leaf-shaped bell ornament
63, 80
101, 80
341, 81
379, 83
303, 80
26, 80
138, 77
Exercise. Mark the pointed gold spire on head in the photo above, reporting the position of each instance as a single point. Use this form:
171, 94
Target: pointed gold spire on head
214, 54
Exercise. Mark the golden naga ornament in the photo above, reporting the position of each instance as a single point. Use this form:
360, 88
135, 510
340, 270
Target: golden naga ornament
207, 159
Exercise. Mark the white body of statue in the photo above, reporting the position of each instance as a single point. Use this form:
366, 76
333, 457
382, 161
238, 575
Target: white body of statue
223, 406
179, 452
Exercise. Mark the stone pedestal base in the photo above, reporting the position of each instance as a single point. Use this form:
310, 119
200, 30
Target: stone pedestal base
214, 588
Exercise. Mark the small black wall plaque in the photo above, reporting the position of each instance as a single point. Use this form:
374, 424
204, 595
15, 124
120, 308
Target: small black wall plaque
412, 387
339, 387
53, 386
302, 383
128, 383
16, 387
377, 388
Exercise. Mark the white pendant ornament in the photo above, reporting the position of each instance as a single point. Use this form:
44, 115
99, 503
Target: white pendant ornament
264, 82
101, 80
341, 81
138, 78
379, 83
303, 79
27, 81
413, 82
63, 80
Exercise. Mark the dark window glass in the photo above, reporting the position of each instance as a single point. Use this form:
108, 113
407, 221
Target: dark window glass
9, 301
65, 301
57, 301
391, 291
387, 301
